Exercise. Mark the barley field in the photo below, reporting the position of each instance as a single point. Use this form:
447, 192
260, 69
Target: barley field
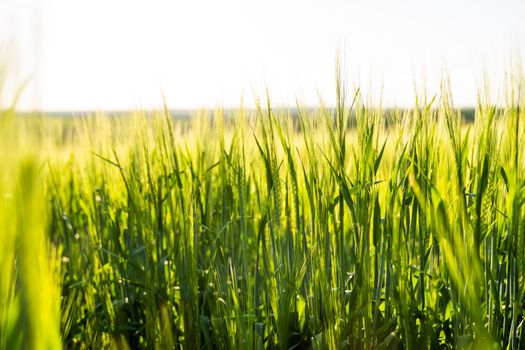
345, 227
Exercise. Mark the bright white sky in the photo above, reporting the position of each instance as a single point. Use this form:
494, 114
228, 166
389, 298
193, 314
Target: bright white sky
109, 54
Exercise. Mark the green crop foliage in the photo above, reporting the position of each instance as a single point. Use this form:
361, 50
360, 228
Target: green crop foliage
352, 227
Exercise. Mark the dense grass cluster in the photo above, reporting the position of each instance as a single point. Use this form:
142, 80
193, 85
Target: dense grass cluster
349, 227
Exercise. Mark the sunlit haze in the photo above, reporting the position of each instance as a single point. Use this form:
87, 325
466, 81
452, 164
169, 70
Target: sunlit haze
86, 55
